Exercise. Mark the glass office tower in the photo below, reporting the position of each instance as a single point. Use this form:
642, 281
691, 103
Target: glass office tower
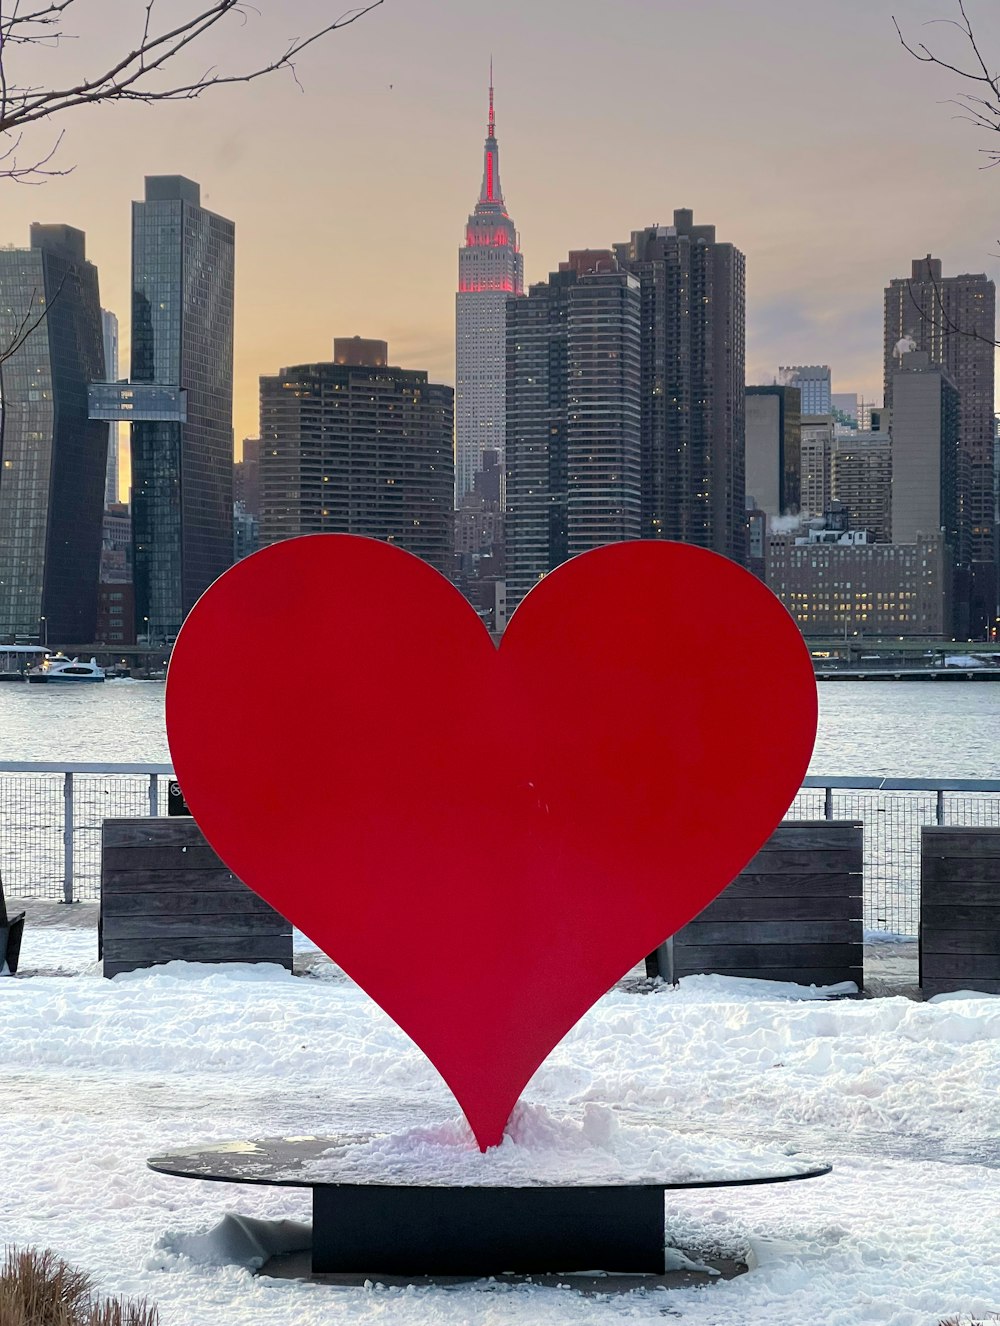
182, 340
52, 456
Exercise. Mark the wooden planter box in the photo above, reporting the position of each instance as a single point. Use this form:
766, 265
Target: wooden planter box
794, 914
166, 896
959, 910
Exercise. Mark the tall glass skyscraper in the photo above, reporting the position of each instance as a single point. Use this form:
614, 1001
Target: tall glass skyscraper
52, 457
490, 270
182, 339
110, 324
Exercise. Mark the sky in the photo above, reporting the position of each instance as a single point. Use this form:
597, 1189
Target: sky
800, 129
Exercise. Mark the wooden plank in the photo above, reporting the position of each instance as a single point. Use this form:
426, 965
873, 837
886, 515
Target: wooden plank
977, 843
145, 859
149, 831
186, 902
722, 957
731, 906
960, 966
960, 894
205, 948
127, 883
798, 975
939, 871
764, 933
801, 884
802, 861
958, 940
170, 928
814, 835
980, 985
960, 916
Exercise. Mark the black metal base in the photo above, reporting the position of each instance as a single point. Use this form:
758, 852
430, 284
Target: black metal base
484, 1231
433, 1230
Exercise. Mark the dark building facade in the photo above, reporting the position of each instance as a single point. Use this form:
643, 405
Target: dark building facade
953, 320
182, 338
53, 459
358, 448
693, 384
246, 478
834, 582
926, 446
116, 544
861, 479
574, 415
115, 615
774, 448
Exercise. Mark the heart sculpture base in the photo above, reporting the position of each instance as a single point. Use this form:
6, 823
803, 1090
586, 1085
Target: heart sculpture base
418, 1230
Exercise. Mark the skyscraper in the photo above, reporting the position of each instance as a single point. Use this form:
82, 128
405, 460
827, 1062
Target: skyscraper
926, 411
52, 457
490, 270
358, 447
817, 445
953, 319
574, 414
246, 477
861, 479
813, 381
182, 342
109, 324
693, 384
774, 449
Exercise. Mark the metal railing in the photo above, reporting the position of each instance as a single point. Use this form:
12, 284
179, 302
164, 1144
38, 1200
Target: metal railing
51, 816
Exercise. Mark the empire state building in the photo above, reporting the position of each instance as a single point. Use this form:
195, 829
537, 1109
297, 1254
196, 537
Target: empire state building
490, 271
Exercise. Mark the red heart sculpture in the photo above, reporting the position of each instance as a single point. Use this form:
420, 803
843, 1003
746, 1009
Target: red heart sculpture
487, 839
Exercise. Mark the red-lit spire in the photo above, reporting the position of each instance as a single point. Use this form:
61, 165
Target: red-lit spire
491, 194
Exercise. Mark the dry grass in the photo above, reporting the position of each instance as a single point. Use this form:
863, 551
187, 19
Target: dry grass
953, 1321
38, 1289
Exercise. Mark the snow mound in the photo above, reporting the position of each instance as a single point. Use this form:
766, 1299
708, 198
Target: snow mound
542, 1147
240, 1241
735, 989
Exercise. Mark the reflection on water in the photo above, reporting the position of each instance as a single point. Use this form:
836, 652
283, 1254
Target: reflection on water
907, 729
120, 722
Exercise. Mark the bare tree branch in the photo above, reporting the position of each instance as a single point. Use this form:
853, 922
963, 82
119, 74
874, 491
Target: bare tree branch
981, 107
941, 318
142, 73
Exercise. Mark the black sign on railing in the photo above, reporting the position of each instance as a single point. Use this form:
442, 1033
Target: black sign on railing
176, 805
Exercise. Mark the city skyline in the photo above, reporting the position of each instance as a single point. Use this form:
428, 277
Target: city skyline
902, 173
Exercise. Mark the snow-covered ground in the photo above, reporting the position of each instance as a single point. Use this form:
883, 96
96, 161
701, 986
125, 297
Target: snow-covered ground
902, 1097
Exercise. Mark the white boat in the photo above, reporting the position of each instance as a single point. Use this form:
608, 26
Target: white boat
57, 667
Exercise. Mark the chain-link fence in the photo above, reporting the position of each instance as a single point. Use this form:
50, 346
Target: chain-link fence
893, 812
51, 815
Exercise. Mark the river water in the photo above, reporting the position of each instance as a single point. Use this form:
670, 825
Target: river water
896, 729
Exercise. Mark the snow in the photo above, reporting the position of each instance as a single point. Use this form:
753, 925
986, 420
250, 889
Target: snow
543, 1148
900, 1096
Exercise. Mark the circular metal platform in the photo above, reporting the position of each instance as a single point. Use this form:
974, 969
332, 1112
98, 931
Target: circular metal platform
423, 1228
